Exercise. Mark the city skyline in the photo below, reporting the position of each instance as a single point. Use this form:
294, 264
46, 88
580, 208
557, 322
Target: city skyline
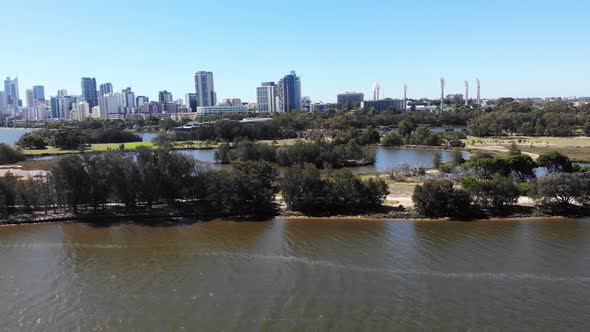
334, 47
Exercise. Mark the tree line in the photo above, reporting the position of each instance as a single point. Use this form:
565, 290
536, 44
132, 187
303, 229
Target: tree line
71, 138
510, 118
147, 178
320, 153
496, 184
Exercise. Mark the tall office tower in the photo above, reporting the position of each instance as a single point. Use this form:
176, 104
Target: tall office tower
165, 97
111, 103
205, 89
30, 98
266, 97
12, 93
140, 100
289, 91
3, 104
191, 102
89, 92
62, 93
105, 89
466, 93
129, 97
61, 106
39, 93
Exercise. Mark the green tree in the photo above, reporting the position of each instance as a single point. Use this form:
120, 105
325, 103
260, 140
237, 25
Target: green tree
439, 198
555, 162
562, 189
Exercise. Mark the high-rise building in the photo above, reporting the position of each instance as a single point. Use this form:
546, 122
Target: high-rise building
350, 98
140, 100
3, 104
61, 106
191, 102
129, 98
39, 93
205, 89
62, 93
89, 92
165, 97
30, 98
105, 89
12, 93
266, 97
289, 91
112, 103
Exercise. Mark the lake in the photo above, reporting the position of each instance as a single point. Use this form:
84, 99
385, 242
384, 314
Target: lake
385, 158
280, 275
11, 135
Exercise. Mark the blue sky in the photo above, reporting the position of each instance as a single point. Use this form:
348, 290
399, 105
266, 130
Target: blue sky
516, 48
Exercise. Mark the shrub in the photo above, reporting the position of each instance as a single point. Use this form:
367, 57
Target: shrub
9, 155
439, 198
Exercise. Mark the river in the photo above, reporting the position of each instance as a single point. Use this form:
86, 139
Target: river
11, 135
297, 276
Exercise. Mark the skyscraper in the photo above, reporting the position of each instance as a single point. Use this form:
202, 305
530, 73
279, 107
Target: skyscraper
165, 97
140, 100
105, 89
129, 97
289, 91
205, 89
30, 98
266, 97
61, 106
3, 104
89, 92
12, 94
62, 93
191, 102
39, 93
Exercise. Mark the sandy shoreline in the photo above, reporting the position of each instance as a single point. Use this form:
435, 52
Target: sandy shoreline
168, 221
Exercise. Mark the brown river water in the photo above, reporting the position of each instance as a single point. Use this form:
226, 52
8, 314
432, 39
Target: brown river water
338, 275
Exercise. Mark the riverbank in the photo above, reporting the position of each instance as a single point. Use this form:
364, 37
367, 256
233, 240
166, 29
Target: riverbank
177, 217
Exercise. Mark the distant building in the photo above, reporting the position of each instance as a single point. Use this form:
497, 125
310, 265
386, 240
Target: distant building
322, 107
62, 93
112, 103
455, 98
89, 92
140, 100
191, 102
221, 109
105, 89
165, 97
354, 99
385, 105
61, 106
36, 113
289, 92
170, 107
205, 89
12, 93
129, 98
3, 103
267, 98
30, 98
39, 93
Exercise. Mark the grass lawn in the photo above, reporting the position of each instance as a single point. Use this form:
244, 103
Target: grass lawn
577, 148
